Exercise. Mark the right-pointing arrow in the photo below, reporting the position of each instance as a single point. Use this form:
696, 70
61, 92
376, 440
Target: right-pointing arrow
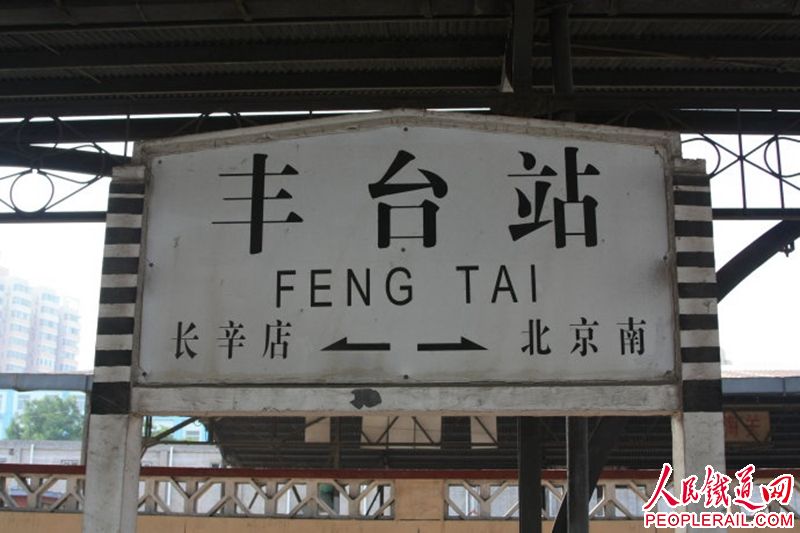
464, 345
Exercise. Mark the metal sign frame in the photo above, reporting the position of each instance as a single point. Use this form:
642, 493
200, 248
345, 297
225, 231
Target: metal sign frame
695, 340
692, 398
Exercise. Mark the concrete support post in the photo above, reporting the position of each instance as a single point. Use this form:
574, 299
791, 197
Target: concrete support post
112, 474
698, 439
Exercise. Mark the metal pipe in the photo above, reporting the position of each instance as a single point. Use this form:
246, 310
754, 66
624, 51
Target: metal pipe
87, 408
529, 461
756, 213
52, 217
169, 463
561, 56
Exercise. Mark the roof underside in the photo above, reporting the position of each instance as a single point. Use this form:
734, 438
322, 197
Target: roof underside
91, 57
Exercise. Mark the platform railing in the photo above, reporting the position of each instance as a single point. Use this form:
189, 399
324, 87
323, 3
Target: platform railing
331, 494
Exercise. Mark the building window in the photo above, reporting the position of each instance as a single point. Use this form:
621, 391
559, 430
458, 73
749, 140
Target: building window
22, 401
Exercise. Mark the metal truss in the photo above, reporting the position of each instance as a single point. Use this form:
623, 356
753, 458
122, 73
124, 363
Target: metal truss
756, 169
59, 172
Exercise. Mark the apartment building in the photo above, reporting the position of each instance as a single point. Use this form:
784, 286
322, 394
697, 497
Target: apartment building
39, 328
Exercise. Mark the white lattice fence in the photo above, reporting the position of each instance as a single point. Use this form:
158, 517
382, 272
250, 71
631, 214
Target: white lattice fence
613, 499
284, 498
361, 499
60, 489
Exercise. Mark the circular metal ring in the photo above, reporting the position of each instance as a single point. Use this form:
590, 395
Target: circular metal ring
27, 176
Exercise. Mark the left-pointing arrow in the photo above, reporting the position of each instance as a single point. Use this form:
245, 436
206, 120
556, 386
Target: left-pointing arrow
343, 346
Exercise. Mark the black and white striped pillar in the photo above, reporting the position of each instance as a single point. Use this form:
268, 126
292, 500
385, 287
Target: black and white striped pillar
698, 432
114, 439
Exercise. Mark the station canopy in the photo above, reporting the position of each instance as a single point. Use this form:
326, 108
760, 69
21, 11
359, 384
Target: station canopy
675, 64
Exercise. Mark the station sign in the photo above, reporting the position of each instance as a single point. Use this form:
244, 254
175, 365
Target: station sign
408, 252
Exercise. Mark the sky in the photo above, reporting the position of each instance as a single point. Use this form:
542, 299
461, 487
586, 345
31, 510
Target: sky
758, 319
65, 257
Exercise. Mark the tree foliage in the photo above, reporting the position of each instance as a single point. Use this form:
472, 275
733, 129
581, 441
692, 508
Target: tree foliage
48, 418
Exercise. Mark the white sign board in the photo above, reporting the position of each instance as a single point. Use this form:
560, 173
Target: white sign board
407, 254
